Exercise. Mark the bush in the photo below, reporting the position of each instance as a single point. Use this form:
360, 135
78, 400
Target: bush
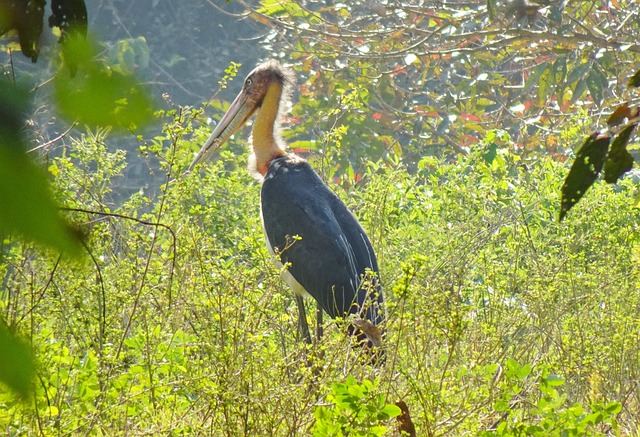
177, 323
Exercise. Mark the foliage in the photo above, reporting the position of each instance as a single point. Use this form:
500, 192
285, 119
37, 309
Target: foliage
420, 78
177, 322
550, 416
607, 149
356, 410
589, 162
16, 364
28, 211
458, 72
98, 96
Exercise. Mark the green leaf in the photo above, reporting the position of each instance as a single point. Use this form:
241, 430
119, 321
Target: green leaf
490, 153
619, 160
16, 363
534, 77
613, 407
554, 380
579, 89
524, 371
99, 95
584, 171
594, 84
578, 73
27, 206
544, 86
501, 405
389, 411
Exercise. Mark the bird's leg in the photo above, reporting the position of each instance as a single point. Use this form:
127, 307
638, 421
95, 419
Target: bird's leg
319, 329
303, 326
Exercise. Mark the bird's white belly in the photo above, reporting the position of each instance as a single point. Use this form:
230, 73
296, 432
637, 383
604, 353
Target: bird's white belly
288, 277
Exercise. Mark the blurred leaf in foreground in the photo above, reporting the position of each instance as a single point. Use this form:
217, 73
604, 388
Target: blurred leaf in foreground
70, 16
16, 363
27, 206
25, 17
584, 171
99, 95
619, 160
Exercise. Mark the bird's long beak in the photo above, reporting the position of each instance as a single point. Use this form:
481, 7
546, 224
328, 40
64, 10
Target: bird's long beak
239, 112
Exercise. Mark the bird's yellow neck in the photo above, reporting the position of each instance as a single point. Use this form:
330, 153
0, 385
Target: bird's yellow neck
265, 137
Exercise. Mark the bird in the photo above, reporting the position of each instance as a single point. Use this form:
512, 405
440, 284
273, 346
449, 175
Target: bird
318, 243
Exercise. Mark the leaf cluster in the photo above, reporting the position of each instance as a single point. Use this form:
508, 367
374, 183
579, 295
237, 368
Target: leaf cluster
356, 410
431, 80
606, 150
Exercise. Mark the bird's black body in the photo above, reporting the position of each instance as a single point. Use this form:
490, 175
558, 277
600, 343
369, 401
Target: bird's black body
333, 252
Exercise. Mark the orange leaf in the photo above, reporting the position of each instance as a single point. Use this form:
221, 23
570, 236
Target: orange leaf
619, 115
469, 117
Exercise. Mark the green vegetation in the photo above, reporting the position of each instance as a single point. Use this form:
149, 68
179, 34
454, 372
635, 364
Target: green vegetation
445, 129
500, 319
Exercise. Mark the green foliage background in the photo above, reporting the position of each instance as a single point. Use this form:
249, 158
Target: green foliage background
177, 323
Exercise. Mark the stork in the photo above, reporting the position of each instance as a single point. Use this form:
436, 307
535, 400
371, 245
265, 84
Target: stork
319, 244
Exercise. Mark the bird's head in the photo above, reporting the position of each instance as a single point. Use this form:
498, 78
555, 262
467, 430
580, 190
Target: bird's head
267, 87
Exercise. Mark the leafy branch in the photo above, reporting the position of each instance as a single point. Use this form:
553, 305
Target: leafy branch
600, 150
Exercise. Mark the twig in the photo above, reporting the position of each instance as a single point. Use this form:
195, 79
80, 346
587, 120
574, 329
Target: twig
13, 71
142, 222
56, 139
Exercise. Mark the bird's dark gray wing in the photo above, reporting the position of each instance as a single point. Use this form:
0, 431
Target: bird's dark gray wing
333, 251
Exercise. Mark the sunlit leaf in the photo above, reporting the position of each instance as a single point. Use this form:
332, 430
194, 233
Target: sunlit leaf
544, 87
396, 147
410, 59
98, 95
554, 380
584, 171
389, 411
613, 407
619, 160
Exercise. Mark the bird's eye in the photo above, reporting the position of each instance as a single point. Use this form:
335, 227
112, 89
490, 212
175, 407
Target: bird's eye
248, 82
